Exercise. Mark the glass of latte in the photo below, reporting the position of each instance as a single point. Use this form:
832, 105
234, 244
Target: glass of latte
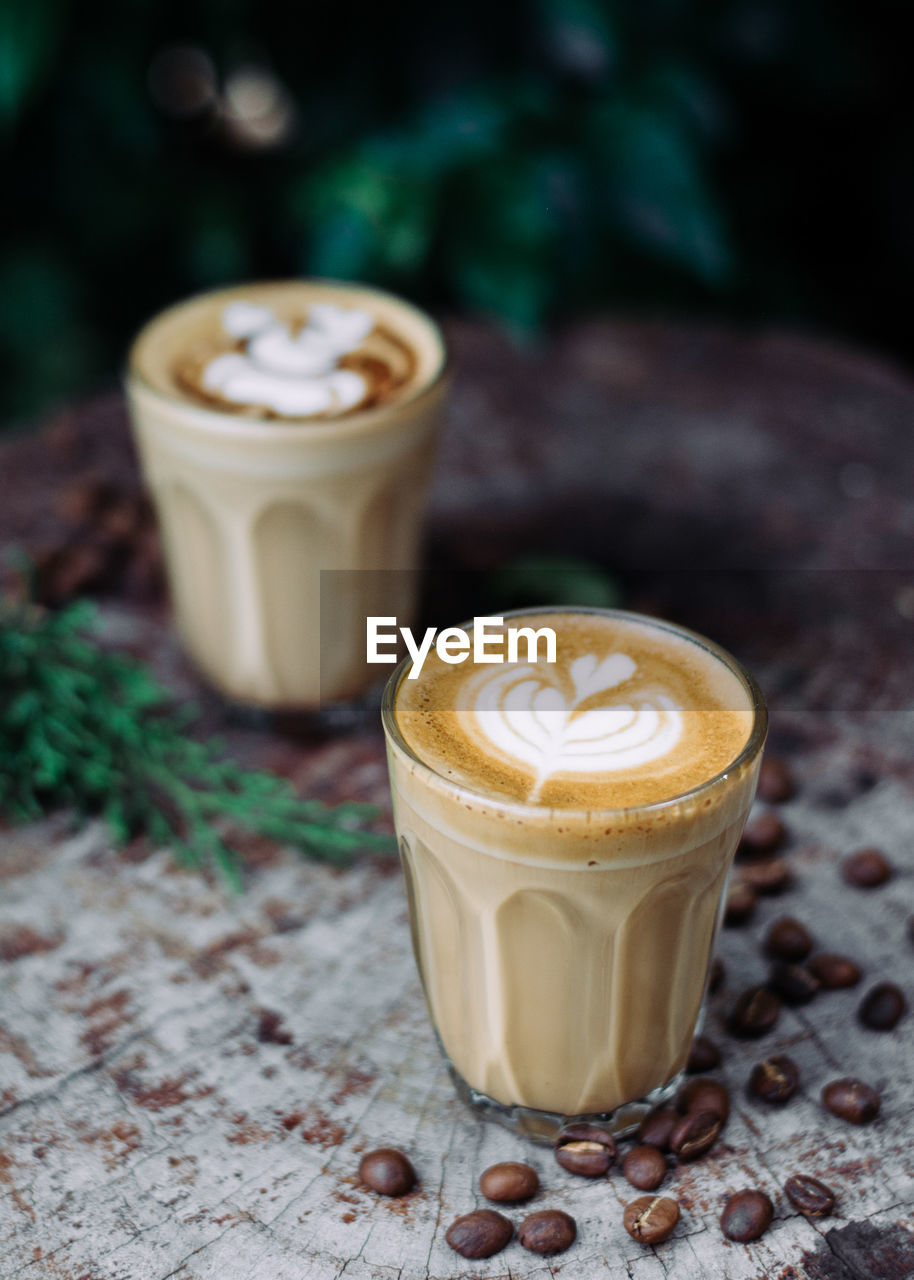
285, 429
566, 831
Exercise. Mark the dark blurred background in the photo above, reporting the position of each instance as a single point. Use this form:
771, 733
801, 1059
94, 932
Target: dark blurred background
746, 160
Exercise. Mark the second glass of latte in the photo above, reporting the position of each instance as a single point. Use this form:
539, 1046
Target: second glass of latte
566, 832
285, 429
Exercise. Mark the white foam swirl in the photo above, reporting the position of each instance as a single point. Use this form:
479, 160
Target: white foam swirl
525, 715
295, 375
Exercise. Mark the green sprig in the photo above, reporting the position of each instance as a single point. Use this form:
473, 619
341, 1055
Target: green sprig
93, 731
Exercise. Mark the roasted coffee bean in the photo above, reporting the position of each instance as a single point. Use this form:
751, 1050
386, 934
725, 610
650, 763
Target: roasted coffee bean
809, 1196
644, 1167
776, 781
547, 1231
763, 834
651, 1219
788, 939
716, 975
479, 1234
387, 1171
704, 1094
656, 1127
834, 972
755, 1013
746, 1216
770, 876
793, 983
585, 1149
741, 903
851, 1100
704, 1055
695, 1135
509, 1181
775, 1079
866, 869
881, 1008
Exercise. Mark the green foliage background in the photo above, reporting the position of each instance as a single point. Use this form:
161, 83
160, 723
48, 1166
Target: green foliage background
747, 158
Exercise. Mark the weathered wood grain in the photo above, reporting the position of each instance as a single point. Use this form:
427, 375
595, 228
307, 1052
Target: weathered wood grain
187, 1082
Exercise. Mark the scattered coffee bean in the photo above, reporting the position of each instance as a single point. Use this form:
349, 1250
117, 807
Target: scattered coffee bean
788, 939
704, 1094
747, 1216
775, 1079
644, 1167
651, 1219
479, 1234
910, 928
834, 972
387, 1171
851, 1100
809, 1196
754, 1014
547, 1231
585, 1149
695, 1135
881, 1008
776, 781
509, 1181
716, 975
866, 869
770, 876
763, 834
656, 1127
741, 903
704, 1055
794, 983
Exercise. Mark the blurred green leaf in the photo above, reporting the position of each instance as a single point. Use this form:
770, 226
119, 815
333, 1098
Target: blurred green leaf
30, 32
545, 580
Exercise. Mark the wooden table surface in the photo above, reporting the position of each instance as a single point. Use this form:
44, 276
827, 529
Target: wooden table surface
187, 1081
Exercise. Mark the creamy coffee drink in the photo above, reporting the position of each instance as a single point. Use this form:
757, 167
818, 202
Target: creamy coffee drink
566, 831
285, 429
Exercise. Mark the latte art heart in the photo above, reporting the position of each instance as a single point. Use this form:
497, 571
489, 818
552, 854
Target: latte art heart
524, 713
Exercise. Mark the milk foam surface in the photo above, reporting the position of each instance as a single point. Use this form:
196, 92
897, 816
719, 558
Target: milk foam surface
630, 714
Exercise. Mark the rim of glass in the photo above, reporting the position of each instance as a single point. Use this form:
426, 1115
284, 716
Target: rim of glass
241, 424
750, 749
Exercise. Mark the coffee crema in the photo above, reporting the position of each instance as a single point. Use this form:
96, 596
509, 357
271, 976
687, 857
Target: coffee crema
291, 351
631, 713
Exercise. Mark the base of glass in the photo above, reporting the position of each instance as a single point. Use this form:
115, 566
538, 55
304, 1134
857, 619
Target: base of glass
545, 1126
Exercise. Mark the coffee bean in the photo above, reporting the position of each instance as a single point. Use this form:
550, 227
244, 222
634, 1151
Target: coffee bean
509, 1181
547, 1231
809, 1196
704, 1055
793, 983
695, 1135
704, 1094
776, 781
747, 1216
788, 939
479, 1234
834, 972
716, 975
651, 1219
770, 876
755, 1013
387, 1171
741, 904
585, 1149
656, 1127
763, 834
866, 869
775, 1079
881, 1008
910, 928
644, 1167
851, 1100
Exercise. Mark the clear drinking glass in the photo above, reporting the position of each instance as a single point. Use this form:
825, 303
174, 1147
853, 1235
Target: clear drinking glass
565, 971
